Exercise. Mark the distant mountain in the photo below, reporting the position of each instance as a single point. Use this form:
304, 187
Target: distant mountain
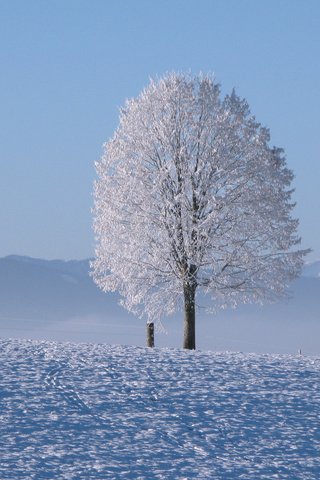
58, 300
312, 270
35, 288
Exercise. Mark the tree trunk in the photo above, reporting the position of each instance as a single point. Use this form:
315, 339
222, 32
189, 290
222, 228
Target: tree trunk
150, 335
189, 335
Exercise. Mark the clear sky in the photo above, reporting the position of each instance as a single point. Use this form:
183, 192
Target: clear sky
68, 65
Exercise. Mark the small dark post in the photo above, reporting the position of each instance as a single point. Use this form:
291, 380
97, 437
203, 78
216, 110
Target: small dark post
150, 334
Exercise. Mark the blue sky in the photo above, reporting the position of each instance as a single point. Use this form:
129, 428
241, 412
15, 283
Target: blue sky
67, 67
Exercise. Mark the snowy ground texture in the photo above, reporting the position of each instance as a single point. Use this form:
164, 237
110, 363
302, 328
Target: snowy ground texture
98, 412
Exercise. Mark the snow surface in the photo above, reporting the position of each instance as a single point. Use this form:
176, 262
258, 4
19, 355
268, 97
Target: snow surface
91, 411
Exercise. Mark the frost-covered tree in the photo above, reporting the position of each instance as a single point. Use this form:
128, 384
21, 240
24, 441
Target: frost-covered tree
190, 197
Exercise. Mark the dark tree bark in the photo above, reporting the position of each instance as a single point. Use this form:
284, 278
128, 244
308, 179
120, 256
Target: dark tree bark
150, 335
189, 334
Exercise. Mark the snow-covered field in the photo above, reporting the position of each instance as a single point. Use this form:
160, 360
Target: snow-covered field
99, 412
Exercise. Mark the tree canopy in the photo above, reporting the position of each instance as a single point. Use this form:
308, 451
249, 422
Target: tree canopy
191, 197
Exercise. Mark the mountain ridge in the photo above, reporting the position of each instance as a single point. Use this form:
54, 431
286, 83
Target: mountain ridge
58, 300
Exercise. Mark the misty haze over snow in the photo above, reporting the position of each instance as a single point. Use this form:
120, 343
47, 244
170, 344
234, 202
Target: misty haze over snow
57, 300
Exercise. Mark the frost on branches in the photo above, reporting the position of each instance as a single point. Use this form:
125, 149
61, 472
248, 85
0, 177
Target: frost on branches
190, 197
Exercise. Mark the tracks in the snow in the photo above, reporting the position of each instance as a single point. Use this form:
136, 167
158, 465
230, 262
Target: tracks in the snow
55, 379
